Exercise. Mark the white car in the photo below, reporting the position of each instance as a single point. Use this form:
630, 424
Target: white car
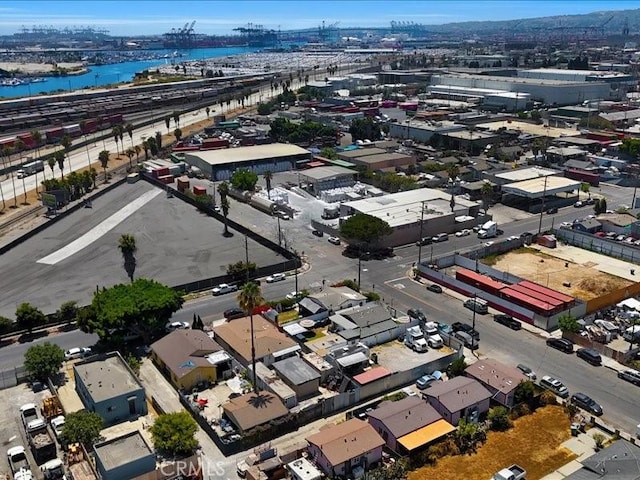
463, 233
177, 326
513, 237
77, 352
293, 295
224, 288
488, 244
57, 423
276, 277
334, 240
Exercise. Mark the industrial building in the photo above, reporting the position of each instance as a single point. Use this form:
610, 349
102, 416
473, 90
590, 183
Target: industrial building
328, 177
423, 131
615, 79
423, 212
220, 164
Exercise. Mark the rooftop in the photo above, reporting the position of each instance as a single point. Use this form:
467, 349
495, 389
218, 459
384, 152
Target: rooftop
345, 441
515, 80
106, 378
525, 174
326, 173
458, 393
617, 219
503, 378
537, 187
361, 152
183, 350
382, 157
405, 416
251, 410
296, 370
122, 450
334, 297
249, 154
618, 461
268, 340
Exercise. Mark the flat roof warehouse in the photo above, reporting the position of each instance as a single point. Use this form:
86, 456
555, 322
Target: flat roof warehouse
249, 154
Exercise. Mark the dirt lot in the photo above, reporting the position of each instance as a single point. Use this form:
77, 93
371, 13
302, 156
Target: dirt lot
534, 443
586, 282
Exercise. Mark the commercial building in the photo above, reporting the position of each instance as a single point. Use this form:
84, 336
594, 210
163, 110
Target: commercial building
411, 214
107, 386
384, 160
274, 157
616, 80
420, 131
328, 177
500, 379
127, 456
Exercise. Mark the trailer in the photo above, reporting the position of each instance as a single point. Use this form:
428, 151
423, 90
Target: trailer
42, 444
30, 168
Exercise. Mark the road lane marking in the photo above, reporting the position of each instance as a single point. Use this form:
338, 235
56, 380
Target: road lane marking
100, 230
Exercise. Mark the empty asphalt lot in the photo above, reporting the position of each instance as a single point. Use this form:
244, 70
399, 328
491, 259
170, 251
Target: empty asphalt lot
176, 245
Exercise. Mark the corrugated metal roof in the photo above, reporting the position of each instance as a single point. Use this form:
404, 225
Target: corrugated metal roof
426, 434
372, 375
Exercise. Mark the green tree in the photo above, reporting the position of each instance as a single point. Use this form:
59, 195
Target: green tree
365, 229
174, 433
268, 176
486, 191
128, 248
134, 364
244, 179
142, 307
223, 190
525, 392
59, 156
103, 157
43, 361
155, 143
178, 134
176, 118
499, 420
468, 435
457, 368
536, 116
568, 323
82, 427
249, 298
585, 187
115, 131
328, 152
129, 129
5, 324
167, 122
265, 108
68, 312
28, 317
66, 144
365, 129
130, 153
51, 161
207, 110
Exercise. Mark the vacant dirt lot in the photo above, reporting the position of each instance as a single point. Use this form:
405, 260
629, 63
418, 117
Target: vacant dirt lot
534, 443
585, 281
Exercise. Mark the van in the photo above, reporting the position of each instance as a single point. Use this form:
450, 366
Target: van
554, 385
590, 356
477, 305
467, 340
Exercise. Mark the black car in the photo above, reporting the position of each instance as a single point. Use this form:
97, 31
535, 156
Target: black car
424, 241
632, 376
233, 313
586, 403
465, 327
416, 314
590, 356
525, 234
435, 288
552, 210
318, 233
561, 344
507, 321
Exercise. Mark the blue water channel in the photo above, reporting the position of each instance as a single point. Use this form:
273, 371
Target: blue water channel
114, 73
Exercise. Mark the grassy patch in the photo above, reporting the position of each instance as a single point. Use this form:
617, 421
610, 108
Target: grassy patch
318, 333
287, 316
533, 443
489, 260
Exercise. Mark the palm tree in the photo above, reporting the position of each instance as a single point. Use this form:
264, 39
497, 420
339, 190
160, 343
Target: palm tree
130, 153
223, 190
176, 119
128, 248
121, 135
6, 156
249, 298
37, 140
103, 157
66, 144
267, 178
158, 140
167, 122
59, 155
487, 192
4, 205
129, 129
116, 137
137, 149
178, 134
453, 171
145, 146
52, 163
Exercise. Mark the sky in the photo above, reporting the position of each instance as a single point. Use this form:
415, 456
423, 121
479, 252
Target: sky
150, 17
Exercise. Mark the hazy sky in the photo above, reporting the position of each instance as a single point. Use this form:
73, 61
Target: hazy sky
143, 17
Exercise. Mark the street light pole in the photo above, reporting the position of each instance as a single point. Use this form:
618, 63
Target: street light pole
544, 194
473, 324
420, 239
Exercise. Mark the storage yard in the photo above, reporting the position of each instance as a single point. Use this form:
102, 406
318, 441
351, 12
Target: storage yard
582, 278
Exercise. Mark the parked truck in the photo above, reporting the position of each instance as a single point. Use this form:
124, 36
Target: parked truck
42, 444
432, 334
488, 230
28, 413
414, 339
19, 463
30, 168
53, 470
514, 472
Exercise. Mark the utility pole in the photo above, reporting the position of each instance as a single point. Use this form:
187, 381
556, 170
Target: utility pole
246, 255
473, 324
544, 194
420, 239
296, 260
279, 231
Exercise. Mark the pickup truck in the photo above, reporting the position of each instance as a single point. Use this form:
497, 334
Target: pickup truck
53, 470
514, 472
19, 463
28, 413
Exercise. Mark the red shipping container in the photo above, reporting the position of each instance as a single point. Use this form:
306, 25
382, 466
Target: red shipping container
154, 173
163, 171
197, 190
27, 139
166, 179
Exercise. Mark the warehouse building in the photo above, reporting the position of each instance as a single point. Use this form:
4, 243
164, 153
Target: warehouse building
327, 178
615, 79
384, 160
220, 164
419, 131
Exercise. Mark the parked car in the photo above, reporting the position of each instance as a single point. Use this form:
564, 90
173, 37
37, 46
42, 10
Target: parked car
441, 237
590, 356
463, 233
561, 344
578, 204
554, 385
445, 328
233, 313
552, 210
294, 295
177, 326
525, 234
276, 277
77, 352
527, 371
425, 381
224, 288
507, 321
632, 376
424, 241
468, 341
334, 240
417, 314
317, 233
57, 423
435, 288
465, 327
586, 403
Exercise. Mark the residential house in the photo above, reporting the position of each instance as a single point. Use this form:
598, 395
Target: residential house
348, 448
127, 456
589, 225
373, 324
107, 386
313, 309
252, 410
408, 424
338, 298
500, 379
618, 461
271, 344
459, 397
619, 223
189, 358
299, 375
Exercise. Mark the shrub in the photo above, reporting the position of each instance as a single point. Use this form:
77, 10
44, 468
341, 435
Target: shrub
599, 439
499, 420
520, 411
548, 398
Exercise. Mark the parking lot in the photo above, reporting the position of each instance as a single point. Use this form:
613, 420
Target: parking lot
397, 357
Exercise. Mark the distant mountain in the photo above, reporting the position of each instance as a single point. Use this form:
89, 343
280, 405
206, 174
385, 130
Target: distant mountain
611, 22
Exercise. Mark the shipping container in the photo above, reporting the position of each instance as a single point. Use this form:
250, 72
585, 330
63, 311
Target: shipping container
166, 179
27, 139
389, 104
8, 142
54, 135
591, 178
198, 190
408, 106
73, 131
162, 171
183, 184
115, 120
477, 280
214, 143
547, 291
90, 126
526, 301
537, 295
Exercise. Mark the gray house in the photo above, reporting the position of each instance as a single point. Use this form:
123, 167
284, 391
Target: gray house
127, 456
460, 397
299, 375
107, 386
619, 461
